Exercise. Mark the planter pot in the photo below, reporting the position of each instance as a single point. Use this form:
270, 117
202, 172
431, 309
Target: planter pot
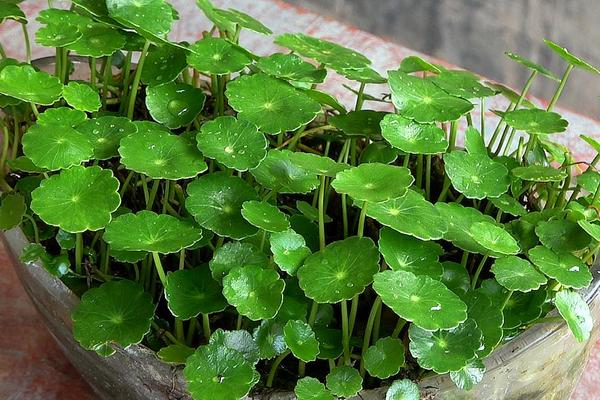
545, 362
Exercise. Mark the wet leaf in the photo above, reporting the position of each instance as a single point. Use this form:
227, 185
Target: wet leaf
385, 358
509, 205
309, 388
539, 173
191, 292
412, 64
562, 235
174, 104
244, 20
476, 175
279, 173
289, 250
468, 376
240, 340
97, 40
105, 134
234, 254
265, 216
495, 239
535, 121
269, 338
462, 84
566, 268
373, 182
218, 56
413, 137
150, 18
344, 381
403, 390
359, 122
301, 340
518, 274
81, 97
406, 253
291, 67
23, 82
576, 312
316, 164
163, 64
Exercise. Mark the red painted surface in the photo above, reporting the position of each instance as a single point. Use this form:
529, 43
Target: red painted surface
31, 365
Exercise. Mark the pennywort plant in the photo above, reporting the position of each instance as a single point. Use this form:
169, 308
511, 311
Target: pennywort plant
220, 208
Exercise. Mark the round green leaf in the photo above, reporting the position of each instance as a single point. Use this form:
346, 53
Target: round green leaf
301, 340
423, 101
234, 254
12, 209
517, 274
105, 134
175, 354
190, 292
309, 388
151, 232
269, 338
330, 340
570, 58
489, 318
161, 155
462, 84
279, 172
270, 103
23, 82
535, 121
445, 350
54, 147
340, 271
240, 340
412, 137
97, 40
420, 299
411, 215
567, 269
64, 199
406, 253
265, 216
359, 122
55, 35
379, 152
373, 182
576, 312
316, 164
163, 64
150, 18
218, 56
592, 229
218, 372
476, 175
456, 277
493, 238
235, 144
82, 97
509, 205
174, 104
468, 376
403, 390
344, 381
289, 250
62, 116
412, 64
532, 65
539, 173
362, 74
11, 10
291, 67
562, 235
244, 20
385, 357
117, 312
215, 201
255, 292
523, 308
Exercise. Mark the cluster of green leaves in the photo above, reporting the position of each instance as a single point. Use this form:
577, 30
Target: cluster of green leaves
277, 227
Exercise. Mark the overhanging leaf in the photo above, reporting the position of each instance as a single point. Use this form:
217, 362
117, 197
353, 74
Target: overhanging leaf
412, 137
190, 292
23, 82
174, 104
576, 312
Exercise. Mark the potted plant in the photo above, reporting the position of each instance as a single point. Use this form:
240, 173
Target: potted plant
216, 208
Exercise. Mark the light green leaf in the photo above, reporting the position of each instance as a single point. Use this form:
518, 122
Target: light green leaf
359, 122
532, 65
462, 84
476, 175
413, 137
535, 121
592, 229
344, 381
539, 173
373, 182
518, 274
218, 56
566, 268
175, 354
244, 20
11, 10
150, 18
81, 97
403, 390
412, 64
562, 236
474, 143
385, 357
289, 250
269, 338
495, 239
234, 254
190, 292
278, 172
379, 152
291, 67
576, 312
316, 164
509, 205
570, 58
55, 35
97, 40
265, 216
62, 116
301, 340
174, 104
105, 134
406, 253
23, 82
163, 64
309, 388
240, 340
468, 376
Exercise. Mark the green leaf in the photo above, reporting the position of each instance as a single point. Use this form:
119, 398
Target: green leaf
330, 340
403, 390
240, 340
592, 229
62, 116
244, 20
161, 155
468, 376
566, 268
374, 182
55, 35
309, 388
446, 350
217, 56
402, 252
255, 292
340, 271
413, 137
234, 254
163, 64
493, 238
215, 201
535, 121
105, 134
589, 180
269, 338
379, 152
323, 51
270, 103
325, 99
235, 144
97, 40
508, 205
456, 277
175, 354
301, 340
218, 372
420, 299
118, 312
23, 82
279, 172
289, 250
12, 210
310, 212
489, 318
11, 10
265, 216
191, 292
57, 266
576, 312
385, 357
359, 122
125, 256
291, 67
81, 97
474, 143
462, 84
423, 101
523, 308
362, 74
174, 104
411, 215
344, 381
517, 274
316, 164
570, 58
562, 236
150, 18
539, 173
64, 199
412, 64
151, 232
532, 65
476, 175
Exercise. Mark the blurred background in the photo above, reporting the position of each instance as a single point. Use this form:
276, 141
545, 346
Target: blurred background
475, 33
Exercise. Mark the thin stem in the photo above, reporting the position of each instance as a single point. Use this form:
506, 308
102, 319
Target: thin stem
482, 116
274, 367
452, 136
152, 194
353, 313
136, 80
478, 272
36, 232
368, 331
360, 97
238, 323
126, 183
106, 79
561, 86
93, 71
505, 302
361, 220
322, 213
345, 332
159, 268
78, 252
35, 110
27, 42
419, 182
206, 327
2, 52
179, 333
428, 176
398, 328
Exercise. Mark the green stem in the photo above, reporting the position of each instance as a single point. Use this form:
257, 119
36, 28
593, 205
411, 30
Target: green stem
106, 79
35, 110
274, 367
93, 70
322, 213
561, 86
126, 183
345, 332
482, 116
469, 120
419, 182
4, 154
368, 330
445, 189
152, 194
398, 328
136, 80
505, 302
179, 332
2, 52
578, 188
238, 323
206, 327
452, 136
361, 220
159, 268
36, 232
27, 42
353, 313
428, 176
78, 252
478, 272
360, 97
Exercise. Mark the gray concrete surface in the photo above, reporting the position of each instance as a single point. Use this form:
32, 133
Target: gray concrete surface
475, 33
